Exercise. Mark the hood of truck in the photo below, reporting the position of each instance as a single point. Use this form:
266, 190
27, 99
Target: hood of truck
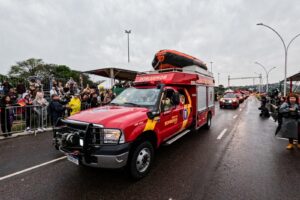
112, 116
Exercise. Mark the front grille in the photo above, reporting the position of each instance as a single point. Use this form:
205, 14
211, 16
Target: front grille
97, 136
77, 127
93, 135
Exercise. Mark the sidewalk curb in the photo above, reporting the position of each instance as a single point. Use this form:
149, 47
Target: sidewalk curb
24, 133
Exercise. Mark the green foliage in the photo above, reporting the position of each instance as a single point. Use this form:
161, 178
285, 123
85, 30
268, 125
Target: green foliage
3, 77
220, 90
29, 67
36, 67
63, 72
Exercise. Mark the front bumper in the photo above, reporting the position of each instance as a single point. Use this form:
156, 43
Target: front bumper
111, 157
233, 104
107, 161
93, 151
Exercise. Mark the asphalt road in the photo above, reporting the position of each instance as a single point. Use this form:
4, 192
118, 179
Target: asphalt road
238, 158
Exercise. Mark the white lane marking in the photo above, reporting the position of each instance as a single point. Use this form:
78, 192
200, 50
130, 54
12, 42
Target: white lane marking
235, 116
221, 134
280, 138
31, 168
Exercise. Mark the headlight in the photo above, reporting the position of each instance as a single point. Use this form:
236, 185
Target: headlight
81, 142
113, 136
234, 100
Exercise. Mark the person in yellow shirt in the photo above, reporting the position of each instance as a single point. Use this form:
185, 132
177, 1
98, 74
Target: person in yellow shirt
75, 104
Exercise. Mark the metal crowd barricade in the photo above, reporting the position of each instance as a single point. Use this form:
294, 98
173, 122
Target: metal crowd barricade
18, 119
24, 118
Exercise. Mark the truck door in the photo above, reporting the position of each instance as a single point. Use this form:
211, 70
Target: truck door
171, 118
185, 108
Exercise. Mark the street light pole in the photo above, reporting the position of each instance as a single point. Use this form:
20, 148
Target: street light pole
260, 81
268, 78
128, 32
267, 74
228, 81
286, 48
211, 66
218, 78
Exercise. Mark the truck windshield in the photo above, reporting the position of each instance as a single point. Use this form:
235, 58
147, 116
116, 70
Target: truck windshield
144, 97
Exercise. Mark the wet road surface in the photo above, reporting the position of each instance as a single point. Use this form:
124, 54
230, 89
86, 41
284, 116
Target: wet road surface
238, 158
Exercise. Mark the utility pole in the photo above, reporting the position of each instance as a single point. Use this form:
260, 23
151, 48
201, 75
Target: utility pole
211, 66
128, 32
260, 83
228, 80
218, 78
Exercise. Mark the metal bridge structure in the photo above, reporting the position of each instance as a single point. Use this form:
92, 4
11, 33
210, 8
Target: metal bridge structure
249, 77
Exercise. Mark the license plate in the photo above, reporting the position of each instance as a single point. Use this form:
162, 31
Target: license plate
73, 159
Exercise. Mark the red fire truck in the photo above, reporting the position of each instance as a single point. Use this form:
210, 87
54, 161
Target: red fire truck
160, 108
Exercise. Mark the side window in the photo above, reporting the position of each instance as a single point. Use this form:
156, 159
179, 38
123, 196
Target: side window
167, 100
211, 101
183, 97
201, 98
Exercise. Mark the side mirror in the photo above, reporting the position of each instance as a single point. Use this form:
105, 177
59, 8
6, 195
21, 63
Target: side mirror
152, 115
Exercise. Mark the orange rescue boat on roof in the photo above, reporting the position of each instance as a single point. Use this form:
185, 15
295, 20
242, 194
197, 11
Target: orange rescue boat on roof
174, 59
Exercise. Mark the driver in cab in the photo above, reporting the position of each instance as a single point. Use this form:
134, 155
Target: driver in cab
166, 102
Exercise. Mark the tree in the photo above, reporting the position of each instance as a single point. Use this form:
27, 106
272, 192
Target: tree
24, 69
63, 72
36, 67
3, 77
220, 90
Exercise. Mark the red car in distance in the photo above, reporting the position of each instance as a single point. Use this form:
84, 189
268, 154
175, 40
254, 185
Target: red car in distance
240, 97
229, 100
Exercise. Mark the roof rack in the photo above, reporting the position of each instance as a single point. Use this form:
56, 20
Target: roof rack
189, 69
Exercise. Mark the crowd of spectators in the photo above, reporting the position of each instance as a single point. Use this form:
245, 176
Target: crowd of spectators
62, 100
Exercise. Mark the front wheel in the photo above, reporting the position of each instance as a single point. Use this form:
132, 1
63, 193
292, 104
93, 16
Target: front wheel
141, 160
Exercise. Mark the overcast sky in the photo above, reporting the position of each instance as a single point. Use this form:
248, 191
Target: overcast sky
90, 34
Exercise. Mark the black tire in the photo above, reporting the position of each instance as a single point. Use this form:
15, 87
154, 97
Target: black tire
208, 123
143, 152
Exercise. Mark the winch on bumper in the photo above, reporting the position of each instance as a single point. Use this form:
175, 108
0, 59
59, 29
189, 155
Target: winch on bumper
91, 145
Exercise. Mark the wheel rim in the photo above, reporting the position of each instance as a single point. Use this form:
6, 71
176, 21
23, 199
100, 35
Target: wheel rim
209, 121
143, 160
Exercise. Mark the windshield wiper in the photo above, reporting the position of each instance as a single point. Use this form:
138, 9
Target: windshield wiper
133, 104
116, 104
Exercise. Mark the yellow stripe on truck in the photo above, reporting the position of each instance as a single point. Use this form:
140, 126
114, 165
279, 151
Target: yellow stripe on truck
188, 108
150, 125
